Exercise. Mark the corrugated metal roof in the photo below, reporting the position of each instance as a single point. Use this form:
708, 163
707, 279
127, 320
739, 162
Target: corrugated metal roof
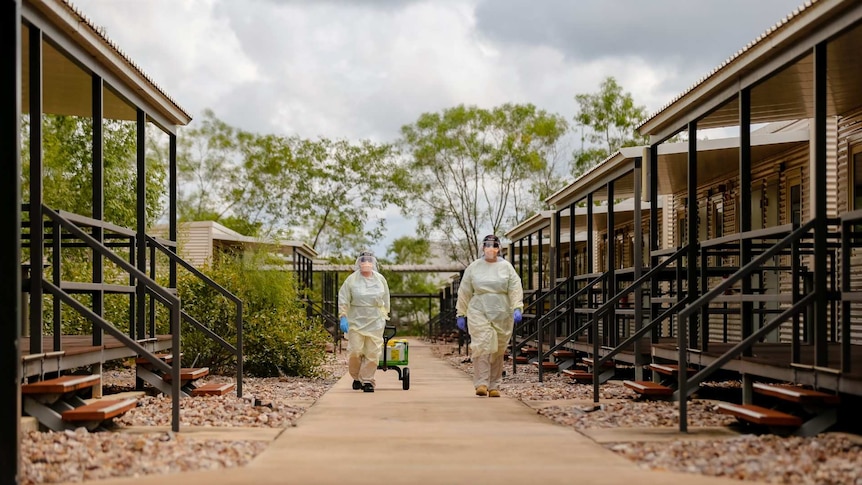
100, 32
781, 24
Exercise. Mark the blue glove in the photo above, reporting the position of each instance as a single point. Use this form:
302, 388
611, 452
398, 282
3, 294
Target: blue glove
343, 324
517, 315
462, 323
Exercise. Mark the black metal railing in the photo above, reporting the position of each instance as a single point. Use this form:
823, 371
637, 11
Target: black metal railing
553, 314
235, 350
688, 385
171, 301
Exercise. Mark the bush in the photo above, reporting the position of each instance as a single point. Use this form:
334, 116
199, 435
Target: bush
279, 339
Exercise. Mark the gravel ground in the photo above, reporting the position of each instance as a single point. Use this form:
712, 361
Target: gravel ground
826, 459
76, 456
274, 403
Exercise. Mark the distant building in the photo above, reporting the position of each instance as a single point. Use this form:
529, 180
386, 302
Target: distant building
199, 241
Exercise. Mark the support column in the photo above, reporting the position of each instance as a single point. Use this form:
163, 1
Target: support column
640, 361
746, 308
821, 323
10, 243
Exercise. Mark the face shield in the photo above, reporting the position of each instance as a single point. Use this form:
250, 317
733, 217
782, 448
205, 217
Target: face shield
366, 262
490, 248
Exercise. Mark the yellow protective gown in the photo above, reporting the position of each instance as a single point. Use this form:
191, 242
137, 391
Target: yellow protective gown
365, 302
488, 295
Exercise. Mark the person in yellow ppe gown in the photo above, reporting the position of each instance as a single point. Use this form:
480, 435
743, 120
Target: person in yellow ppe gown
363, 308
490, 302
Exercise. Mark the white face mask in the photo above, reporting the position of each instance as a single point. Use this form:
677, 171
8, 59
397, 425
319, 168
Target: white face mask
366, 267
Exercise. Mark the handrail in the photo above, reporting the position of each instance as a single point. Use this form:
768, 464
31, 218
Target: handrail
237, 350
746, 270
541, 298
683, 383
102, 323
693, 383
328, 317
605, 308
598, 361
546, 294
555, 311
143, 279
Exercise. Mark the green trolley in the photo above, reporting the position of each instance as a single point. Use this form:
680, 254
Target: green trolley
395, 356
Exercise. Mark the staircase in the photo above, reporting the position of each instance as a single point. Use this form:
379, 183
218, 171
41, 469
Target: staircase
663, 384
60, 403
585, 373
146, 372
793, 409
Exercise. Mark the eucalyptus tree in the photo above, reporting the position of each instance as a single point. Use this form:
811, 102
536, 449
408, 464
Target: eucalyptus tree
609, 117
329, 193
346, 188
407, 250
474, 170
67, 172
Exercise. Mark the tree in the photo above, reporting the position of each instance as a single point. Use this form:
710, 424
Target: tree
324, 191
610, 117
67, 174
411, 311
473, 168
349, 185
205, 155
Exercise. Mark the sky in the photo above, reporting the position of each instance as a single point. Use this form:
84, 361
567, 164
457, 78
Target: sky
362, 69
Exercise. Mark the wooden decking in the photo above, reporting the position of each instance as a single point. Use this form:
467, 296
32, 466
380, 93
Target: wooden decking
772, 360
78, 350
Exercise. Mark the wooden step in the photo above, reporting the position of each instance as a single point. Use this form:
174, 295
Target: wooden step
166, 358
547, 365
565, 354
648, 388
99, 410
668, 369
530, 350
522, 360
609, 364
189, 373
62, 384
797, 394
579, 375
214, 389
759, 415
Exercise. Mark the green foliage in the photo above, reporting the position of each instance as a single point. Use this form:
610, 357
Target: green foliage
278, 337
67, 178
268, 185
67, 173
410, 314
473, 168
610, 117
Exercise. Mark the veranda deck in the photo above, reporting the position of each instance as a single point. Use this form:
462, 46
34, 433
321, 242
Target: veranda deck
78, 351
773, 361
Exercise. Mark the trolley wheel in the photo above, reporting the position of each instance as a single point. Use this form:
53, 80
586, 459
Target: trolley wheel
405, 378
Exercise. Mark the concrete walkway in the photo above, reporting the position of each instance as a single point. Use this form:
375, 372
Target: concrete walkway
438, 432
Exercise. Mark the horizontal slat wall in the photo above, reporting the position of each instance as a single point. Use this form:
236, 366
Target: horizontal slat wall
849, 130
726, 191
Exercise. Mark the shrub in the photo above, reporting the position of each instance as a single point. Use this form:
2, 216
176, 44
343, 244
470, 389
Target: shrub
279, 339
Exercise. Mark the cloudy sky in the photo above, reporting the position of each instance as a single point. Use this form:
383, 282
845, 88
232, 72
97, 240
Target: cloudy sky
363, 68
